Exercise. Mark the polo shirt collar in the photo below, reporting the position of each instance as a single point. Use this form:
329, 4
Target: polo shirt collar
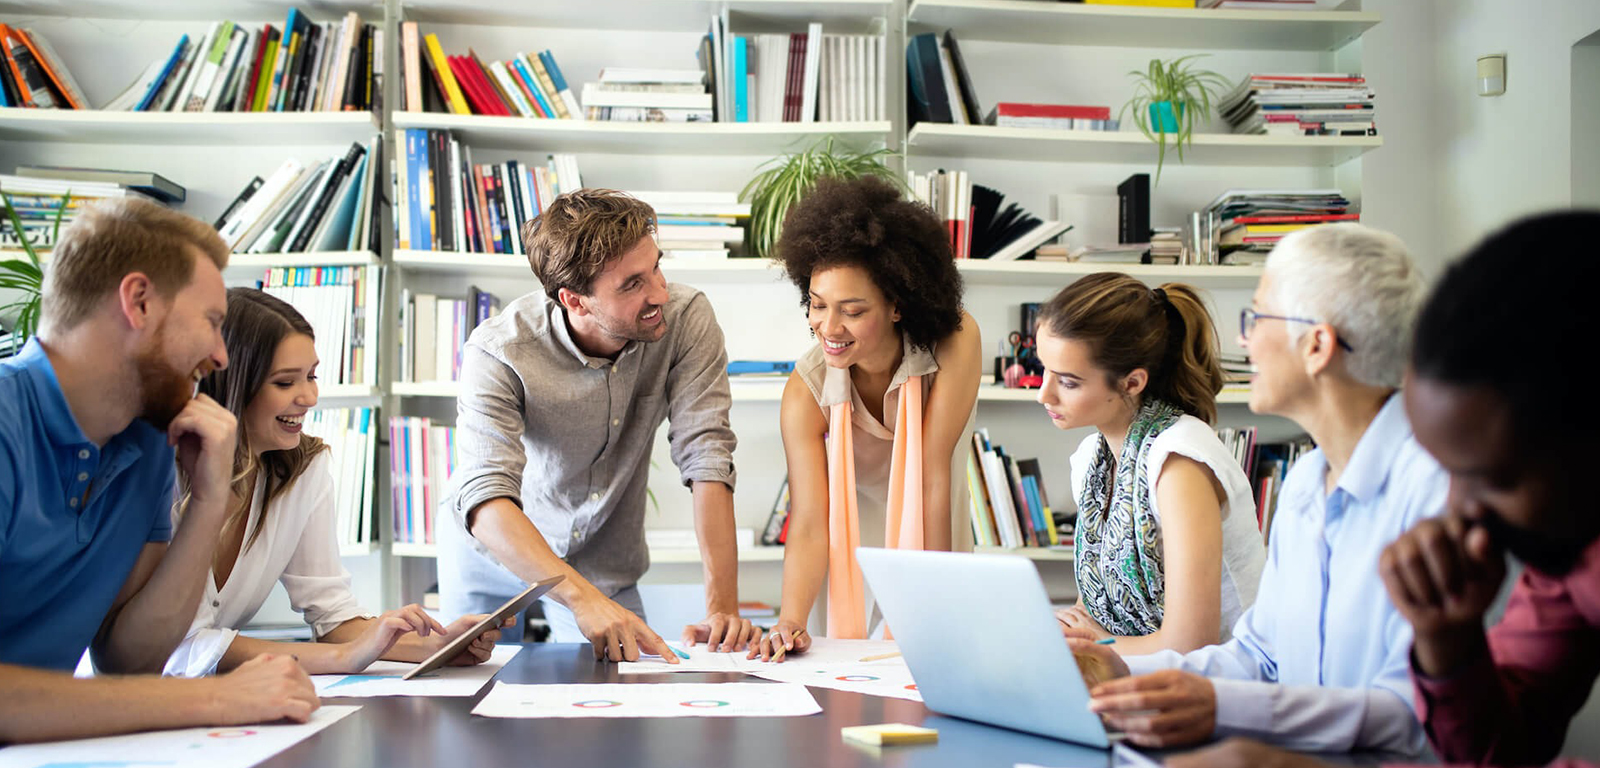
59, 423
559, 330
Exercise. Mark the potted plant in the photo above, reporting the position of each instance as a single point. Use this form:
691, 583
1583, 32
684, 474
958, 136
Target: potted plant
25, 276
1169, 99
790, 177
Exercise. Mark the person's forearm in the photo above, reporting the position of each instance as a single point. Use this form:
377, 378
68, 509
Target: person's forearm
719, 551
936, 530
410, 646
514, 540
805, 565
37, 705
315, 658
149, 626
1444, 653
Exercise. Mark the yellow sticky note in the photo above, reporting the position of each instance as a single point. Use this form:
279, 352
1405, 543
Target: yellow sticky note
889, 733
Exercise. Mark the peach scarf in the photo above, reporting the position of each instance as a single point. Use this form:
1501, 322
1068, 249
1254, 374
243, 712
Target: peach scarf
903, 514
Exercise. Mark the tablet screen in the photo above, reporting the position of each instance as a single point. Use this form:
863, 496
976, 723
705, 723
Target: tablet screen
514, 606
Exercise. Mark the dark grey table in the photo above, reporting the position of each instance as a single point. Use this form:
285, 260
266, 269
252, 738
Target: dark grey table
411, 732
402, 732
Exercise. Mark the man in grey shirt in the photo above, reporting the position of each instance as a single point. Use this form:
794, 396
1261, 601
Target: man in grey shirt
561, 396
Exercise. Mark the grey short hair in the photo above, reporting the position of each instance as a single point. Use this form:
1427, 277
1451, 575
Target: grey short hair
1361, 281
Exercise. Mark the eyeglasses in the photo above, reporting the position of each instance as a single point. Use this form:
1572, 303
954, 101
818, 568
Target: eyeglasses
1248, 318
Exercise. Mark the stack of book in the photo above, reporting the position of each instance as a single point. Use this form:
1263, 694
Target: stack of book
800, 77
341, 303
433, 331
1236, 373
1272, 5
302, 67
421, 457
1301, 104
38, 201
1166, 245
448, 203
352, 442
331, 206
1009, 506
938, 88
1009, 114
1246, 224
32, 75
526, 85
648, 95
697, 225
1120, 253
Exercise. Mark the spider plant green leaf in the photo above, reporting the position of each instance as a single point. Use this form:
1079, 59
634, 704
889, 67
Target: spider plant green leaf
1191, 92
783, 180
26, 275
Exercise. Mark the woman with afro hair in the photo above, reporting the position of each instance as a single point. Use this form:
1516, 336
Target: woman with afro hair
874, 415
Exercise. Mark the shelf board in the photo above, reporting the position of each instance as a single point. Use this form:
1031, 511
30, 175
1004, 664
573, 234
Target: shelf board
187, 128
994, 393
1030, 21
347, 392
308, 259
1032, 553
649, 15
399, 549
1030, 272
748, 391
595, 136
673, 555
736, 270
357, 550
1078, 146
425, 388
188, 10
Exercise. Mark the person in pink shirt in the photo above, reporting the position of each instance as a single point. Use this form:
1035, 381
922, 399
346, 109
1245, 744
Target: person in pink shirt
1491, 395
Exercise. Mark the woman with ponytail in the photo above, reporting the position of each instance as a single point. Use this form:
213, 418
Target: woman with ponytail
1167, 550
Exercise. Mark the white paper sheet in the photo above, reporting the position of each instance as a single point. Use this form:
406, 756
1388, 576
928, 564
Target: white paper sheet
230, 747
383, 678
825, 653
648, 700
888, 680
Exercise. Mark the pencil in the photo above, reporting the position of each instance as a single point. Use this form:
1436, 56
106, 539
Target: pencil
880, 656
1105, 641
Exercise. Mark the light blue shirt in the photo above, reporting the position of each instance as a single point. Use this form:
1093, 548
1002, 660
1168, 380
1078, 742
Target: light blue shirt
1320, 662
74, 516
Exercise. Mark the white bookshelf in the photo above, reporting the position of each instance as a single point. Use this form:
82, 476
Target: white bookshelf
1032, 272
771, 390
347, 392
306, 259
92, 126
598, 136
648, 15
1030, 21
992, 142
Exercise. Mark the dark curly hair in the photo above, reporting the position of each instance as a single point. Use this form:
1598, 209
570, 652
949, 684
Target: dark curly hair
901, 244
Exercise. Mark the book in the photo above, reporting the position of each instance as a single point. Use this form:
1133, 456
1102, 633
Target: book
1133, 213
153, 184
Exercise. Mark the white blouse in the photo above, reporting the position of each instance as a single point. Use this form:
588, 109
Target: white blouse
298, 547
1243, 552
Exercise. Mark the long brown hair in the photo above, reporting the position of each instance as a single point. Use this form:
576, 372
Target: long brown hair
257, 323
1167, 331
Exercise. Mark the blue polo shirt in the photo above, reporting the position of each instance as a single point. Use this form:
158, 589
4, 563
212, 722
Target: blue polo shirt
73, 516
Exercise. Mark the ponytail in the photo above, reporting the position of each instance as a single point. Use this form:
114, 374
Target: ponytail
1167, 331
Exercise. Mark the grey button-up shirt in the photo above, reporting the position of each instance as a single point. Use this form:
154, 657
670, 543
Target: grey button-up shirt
568, 437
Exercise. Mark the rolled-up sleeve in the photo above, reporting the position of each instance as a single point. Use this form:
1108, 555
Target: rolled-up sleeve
200, 652
489, 426
701, 440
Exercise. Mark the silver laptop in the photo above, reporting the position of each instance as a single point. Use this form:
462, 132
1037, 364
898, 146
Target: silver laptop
980, 639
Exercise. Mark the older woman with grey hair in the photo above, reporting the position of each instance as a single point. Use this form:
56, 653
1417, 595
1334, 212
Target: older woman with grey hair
1320, 661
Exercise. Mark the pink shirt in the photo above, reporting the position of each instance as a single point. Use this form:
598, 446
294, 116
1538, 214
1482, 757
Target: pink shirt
1514, 709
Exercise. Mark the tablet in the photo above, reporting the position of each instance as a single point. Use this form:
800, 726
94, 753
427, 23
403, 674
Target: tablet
514, 606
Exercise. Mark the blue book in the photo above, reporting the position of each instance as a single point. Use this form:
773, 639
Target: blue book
166, 72
299, 26
416, 170
737, 367
741, 79
533, 85
1030, 487
549, 60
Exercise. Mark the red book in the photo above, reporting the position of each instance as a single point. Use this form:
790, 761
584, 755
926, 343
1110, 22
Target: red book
1295, 219
794, 78
257, 55
486, 90
1070, 111
1354, 80
464, 72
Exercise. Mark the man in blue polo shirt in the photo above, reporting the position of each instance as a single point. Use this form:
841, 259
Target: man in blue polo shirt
90, 412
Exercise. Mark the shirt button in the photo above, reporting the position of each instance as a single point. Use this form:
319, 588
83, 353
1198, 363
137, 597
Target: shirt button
82, 476
614, 422
83, 454
216, 603
594, 497
73, 502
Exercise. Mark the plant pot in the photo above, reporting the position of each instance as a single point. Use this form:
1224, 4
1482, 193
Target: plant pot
1162, 117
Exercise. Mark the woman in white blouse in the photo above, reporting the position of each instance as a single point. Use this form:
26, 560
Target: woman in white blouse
281, 526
